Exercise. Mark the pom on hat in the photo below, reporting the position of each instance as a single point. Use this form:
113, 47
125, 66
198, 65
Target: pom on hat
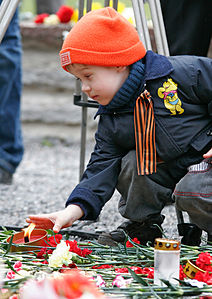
102, 37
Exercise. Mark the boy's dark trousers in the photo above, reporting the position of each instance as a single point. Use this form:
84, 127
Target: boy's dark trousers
143, 196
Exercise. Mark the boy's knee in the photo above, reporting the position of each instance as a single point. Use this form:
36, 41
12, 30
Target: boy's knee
129, 161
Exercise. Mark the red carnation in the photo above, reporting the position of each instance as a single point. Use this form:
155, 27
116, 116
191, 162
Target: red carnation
65, 13
67, 268
129, 244
74, 248
121, 270
205, 277
102, 267
137, 270
54, 240
182, 274
204, 261
39, 19
149, 272
43, 252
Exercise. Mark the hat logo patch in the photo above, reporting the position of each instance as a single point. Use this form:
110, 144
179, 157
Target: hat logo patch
65, 58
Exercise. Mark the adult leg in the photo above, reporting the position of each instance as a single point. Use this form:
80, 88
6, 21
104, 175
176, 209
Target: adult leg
11, 145
193, 194
188, 25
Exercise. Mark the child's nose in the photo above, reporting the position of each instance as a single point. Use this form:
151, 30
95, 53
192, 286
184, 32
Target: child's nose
85, 87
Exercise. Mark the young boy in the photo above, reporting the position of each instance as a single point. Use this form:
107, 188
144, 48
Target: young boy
154, 122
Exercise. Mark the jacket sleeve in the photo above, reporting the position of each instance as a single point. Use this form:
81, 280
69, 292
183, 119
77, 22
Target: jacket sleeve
203, 82
195, 74
202, 87
100, 177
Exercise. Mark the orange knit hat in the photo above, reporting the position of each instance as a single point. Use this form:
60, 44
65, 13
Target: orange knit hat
102, 37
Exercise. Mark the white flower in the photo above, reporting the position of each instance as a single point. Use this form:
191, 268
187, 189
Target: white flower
41, 290
40, 275
21, 273
2, 272
195, 283
100, 281
52, 20
87, 295
120, 282
61, 255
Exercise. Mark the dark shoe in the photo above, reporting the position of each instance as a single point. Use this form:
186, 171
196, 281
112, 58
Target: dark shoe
5, 177
145, 231
191, 234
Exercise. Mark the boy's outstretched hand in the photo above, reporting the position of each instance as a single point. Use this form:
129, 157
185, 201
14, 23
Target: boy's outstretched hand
208, 154
57, 220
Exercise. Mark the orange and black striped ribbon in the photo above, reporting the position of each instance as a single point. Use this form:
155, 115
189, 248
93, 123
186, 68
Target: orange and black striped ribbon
144, 125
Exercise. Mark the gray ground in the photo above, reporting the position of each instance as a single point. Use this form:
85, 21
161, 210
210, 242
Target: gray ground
51, 131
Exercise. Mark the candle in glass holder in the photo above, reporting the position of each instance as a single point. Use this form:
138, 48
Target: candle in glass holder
166, 261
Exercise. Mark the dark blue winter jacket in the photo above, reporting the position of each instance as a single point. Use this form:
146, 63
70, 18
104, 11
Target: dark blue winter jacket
181, 90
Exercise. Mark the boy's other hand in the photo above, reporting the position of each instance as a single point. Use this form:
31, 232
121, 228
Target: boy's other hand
208, 154
57, 220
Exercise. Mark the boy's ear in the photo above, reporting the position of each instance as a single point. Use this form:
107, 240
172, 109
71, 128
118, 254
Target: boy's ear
121, 68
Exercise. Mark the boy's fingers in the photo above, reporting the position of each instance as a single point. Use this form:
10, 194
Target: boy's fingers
41, 222
56, 228
39, 217
208, 154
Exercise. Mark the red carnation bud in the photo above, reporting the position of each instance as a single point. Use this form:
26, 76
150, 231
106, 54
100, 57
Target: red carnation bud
39, 19
65, 13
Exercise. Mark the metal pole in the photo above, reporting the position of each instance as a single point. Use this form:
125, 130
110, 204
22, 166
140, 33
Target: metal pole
141, 23
106, 3
89, 5
138, 22
85, 99
83, 137
162, 27
7, 11
83, 112
115, 4
156, 26
81, 9
144, 25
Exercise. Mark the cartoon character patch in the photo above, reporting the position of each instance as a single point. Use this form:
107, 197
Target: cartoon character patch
169, 94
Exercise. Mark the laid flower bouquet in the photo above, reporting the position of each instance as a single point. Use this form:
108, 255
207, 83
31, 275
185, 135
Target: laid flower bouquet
63, 15
69, 269
68, 14
201, 268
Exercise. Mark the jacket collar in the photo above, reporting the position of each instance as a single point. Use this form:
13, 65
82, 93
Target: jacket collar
157, 66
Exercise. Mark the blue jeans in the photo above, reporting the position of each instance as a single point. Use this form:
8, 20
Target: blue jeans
11, 144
